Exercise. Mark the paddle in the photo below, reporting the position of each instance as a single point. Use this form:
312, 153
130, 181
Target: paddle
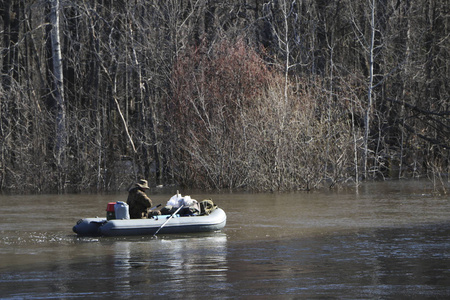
168, 219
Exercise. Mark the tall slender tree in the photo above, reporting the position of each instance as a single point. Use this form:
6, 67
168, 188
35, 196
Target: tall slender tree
58, 92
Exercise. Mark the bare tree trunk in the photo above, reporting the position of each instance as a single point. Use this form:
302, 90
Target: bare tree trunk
5, 6
355, 146
405, 88
58, 92
370, 88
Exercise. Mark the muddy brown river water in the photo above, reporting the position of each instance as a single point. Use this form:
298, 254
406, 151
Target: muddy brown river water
386, 240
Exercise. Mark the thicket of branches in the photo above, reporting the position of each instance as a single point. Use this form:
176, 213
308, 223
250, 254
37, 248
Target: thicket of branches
259, 95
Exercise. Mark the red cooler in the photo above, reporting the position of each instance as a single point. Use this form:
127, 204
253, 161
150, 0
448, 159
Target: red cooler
110, 213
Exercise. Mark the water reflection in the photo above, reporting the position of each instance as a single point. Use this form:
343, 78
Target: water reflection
169, 263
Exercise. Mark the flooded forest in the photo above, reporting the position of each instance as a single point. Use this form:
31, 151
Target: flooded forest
270, 95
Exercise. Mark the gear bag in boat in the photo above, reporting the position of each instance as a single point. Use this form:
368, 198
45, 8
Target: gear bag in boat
207, 206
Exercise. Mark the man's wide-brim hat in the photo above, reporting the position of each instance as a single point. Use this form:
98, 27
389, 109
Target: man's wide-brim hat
142, 184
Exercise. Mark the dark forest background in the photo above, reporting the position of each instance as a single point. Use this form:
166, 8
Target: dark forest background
255, 95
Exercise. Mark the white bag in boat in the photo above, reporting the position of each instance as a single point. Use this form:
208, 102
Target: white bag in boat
175, 201
178, 200
188, 201
192, 205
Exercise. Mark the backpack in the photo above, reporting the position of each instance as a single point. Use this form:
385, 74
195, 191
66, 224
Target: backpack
207, 206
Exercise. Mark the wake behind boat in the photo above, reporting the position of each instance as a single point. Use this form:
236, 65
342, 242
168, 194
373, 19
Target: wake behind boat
183, 220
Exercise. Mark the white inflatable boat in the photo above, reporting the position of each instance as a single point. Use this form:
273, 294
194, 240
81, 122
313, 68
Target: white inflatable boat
214, 221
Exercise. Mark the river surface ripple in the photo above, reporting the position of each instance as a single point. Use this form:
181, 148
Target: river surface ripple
386, 240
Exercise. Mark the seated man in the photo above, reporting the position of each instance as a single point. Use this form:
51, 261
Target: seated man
138, 201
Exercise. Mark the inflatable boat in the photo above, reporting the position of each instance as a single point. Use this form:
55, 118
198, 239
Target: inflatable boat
162, 224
